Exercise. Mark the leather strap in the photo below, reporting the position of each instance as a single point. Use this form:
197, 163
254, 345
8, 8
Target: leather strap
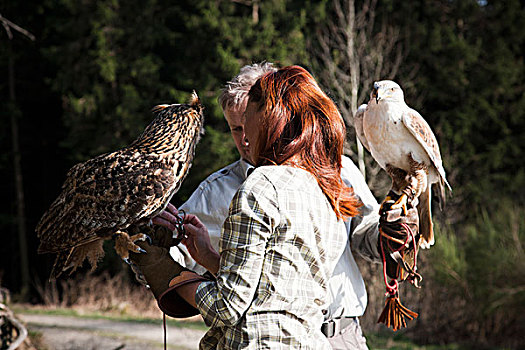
173, 305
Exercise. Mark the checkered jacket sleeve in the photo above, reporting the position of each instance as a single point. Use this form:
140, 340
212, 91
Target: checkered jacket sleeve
251, 220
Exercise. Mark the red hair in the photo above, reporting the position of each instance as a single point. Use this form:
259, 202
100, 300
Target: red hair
302, 127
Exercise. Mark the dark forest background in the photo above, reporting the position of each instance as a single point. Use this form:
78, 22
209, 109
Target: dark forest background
82, 80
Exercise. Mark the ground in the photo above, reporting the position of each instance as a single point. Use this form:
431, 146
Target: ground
69, 330
70, 333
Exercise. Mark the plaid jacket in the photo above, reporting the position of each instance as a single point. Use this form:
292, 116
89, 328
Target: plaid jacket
279, 245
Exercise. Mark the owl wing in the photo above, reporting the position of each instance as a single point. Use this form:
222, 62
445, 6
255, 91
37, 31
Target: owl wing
358, 125
103, 195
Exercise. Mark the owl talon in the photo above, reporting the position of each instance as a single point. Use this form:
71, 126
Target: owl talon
124, 244
141, 237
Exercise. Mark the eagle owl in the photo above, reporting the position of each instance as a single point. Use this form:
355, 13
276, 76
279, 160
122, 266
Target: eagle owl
102, 197
403, 144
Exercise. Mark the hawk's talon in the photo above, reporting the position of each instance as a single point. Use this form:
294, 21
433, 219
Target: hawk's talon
401, 203
387, 199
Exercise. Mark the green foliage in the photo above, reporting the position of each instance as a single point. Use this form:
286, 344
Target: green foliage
214, 152
384, 340
470, 81
113, 77
484, 264
125, 57
87, 84
496, 259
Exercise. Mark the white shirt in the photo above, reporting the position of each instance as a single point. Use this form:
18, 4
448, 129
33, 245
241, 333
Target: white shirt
279, 246
347, 294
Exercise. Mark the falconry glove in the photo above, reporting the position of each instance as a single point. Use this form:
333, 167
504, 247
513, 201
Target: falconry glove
158, 268
158, 236
398, 245
396, 239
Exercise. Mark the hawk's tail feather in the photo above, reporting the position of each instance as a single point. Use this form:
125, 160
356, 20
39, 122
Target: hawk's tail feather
426, 228
440, 191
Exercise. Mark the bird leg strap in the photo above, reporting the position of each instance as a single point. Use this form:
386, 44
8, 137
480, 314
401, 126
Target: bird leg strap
404, 255
179, 227
394, 313
398, 243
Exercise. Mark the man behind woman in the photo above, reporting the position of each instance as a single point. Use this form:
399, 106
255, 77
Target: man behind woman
283, 234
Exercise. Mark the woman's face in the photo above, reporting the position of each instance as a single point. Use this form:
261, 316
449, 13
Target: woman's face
252, 124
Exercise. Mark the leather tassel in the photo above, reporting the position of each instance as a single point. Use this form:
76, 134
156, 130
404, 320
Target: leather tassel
394, 314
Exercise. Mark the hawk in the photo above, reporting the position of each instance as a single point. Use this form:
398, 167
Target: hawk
403, 144
105, 197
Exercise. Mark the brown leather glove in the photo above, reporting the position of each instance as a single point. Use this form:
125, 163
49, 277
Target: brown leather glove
157, 236
396, 241
158, 269
163, 237
157, 266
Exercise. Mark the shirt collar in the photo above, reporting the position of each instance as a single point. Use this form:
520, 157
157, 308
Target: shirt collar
246, 168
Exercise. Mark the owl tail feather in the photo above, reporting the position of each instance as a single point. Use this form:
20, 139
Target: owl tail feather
58, 266
72, 259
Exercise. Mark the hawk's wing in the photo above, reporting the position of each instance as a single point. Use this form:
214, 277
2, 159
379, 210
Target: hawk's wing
420, 129
104, 194
358, 125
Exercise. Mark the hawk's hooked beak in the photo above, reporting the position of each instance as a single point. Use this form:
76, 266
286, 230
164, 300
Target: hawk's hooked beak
375, 93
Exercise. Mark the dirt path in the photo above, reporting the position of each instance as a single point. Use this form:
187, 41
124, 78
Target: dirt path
71, 333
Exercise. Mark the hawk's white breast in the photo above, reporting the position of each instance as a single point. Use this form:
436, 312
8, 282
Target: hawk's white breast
389, 140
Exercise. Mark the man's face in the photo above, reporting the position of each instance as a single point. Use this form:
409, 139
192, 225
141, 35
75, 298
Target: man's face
234, 117
253, 122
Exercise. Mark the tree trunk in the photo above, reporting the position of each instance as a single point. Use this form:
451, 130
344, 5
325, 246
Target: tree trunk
17, 169
352, 52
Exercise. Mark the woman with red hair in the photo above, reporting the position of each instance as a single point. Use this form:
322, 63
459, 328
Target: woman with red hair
290, 121
285, 228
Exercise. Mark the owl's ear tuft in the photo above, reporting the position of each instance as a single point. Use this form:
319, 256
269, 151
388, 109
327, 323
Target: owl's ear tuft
159, 108
195, 101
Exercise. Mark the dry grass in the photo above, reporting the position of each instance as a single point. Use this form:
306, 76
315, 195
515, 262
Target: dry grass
115, 295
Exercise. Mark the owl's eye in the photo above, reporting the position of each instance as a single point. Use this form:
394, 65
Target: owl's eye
392, 89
